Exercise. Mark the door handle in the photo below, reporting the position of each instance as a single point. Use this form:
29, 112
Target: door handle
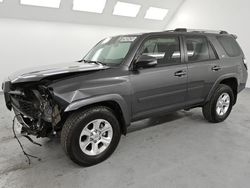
216, 68
180, 73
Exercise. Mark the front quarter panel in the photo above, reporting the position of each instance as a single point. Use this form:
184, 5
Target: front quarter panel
106, 85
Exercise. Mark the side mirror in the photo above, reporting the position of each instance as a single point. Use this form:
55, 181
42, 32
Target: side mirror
145, 61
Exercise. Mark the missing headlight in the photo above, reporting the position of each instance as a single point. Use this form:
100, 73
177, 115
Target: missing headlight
46, 111
49, 110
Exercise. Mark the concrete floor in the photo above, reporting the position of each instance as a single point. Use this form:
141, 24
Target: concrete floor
178, 150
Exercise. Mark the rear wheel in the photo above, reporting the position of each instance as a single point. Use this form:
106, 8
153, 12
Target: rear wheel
90, 136
220, 105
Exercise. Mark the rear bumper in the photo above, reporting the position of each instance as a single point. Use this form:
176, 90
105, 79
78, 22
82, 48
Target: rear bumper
243, 81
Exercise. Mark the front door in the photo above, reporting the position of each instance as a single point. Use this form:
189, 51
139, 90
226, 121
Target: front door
163, 87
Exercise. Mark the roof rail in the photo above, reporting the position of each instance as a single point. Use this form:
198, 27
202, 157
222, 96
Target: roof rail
181, 30
198, 31
223, 32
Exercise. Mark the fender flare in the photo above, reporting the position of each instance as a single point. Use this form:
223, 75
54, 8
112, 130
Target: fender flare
103, 98
218, 81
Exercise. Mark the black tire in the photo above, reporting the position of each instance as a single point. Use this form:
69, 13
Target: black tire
73, 127
209, 109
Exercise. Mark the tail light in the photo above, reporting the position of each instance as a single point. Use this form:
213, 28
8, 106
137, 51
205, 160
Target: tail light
245, 62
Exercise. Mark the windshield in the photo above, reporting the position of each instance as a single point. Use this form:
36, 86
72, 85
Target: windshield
111, 50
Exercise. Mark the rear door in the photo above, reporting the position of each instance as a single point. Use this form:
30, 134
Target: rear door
164, 87
203, 67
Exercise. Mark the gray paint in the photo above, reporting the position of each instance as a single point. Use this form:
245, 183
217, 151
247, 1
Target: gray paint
38, 73
145, 92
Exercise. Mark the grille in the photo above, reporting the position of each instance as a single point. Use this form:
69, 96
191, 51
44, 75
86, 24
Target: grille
25, 107
6, 86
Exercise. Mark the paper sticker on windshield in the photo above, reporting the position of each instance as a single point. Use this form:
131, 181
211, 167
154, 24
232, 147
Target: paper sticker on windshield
127, 39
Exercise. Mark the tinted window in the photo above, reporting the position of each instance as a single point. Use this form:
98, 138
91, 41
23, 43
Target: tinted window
166, 50
197, 48
230, 46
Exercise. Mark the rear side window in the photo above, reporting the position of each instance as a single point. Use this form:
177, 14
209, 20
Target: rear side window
197, 48
230, 46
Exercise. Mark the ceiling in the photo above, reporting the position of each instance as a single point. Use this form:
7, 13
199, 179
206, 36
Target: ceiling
13, 9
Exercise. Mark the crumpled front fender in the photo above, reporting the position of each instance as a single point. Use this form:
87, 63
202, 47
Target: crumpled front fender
97, 99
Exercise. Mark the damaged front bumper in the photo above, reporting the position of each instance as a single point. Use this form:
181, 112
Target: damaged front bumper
6, 90
34, 108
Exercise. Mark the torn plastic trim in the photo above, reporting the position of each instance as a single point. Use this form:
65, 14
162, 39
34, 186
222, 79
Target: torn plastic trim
41, 115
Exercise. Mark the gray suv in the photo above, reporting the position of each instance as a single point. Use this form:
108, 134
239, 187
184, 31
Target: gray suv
126, 78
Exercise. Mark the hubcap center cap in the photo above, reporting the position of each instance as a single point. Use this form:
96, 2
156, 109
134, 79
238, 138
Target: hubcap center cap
96, 135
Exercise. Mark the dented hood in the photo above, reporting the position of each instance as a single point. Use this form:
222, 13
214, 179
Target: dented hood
39, 73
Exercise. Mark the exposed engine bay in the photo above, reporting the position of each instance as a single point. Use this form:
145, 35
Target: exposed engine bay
31, 96
38, 100
34, 108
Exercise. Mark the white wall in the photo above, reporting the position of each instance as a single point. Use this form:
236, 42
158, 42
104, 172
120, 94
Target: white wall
32, 43
232, 16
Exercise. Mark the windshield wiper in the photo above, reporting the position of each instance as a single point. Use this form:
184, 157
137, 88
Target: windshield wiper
89, 61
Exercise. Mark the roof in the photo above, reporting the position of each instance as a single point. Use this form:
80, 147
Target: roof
184, 31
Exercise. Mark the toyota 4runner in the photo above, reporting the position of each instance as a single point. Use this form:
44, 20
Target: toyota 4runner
123, 79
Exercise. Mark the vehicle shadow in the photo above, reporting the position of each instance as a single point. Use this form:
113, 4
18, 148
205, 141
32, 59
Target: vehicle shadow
146, 123
51, 150
158, 120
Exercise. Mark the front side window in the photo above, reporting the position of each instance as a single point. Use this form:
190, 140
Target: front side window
165, 49
111, 50
197, 48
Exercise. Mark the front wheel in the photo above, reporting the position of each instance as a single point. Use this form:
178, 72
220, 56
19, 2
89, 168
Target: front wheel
90, 136
218, 108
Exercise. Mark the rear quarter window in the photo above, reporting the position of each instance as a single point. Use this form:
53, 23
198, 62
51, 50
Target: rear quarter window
230, 46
